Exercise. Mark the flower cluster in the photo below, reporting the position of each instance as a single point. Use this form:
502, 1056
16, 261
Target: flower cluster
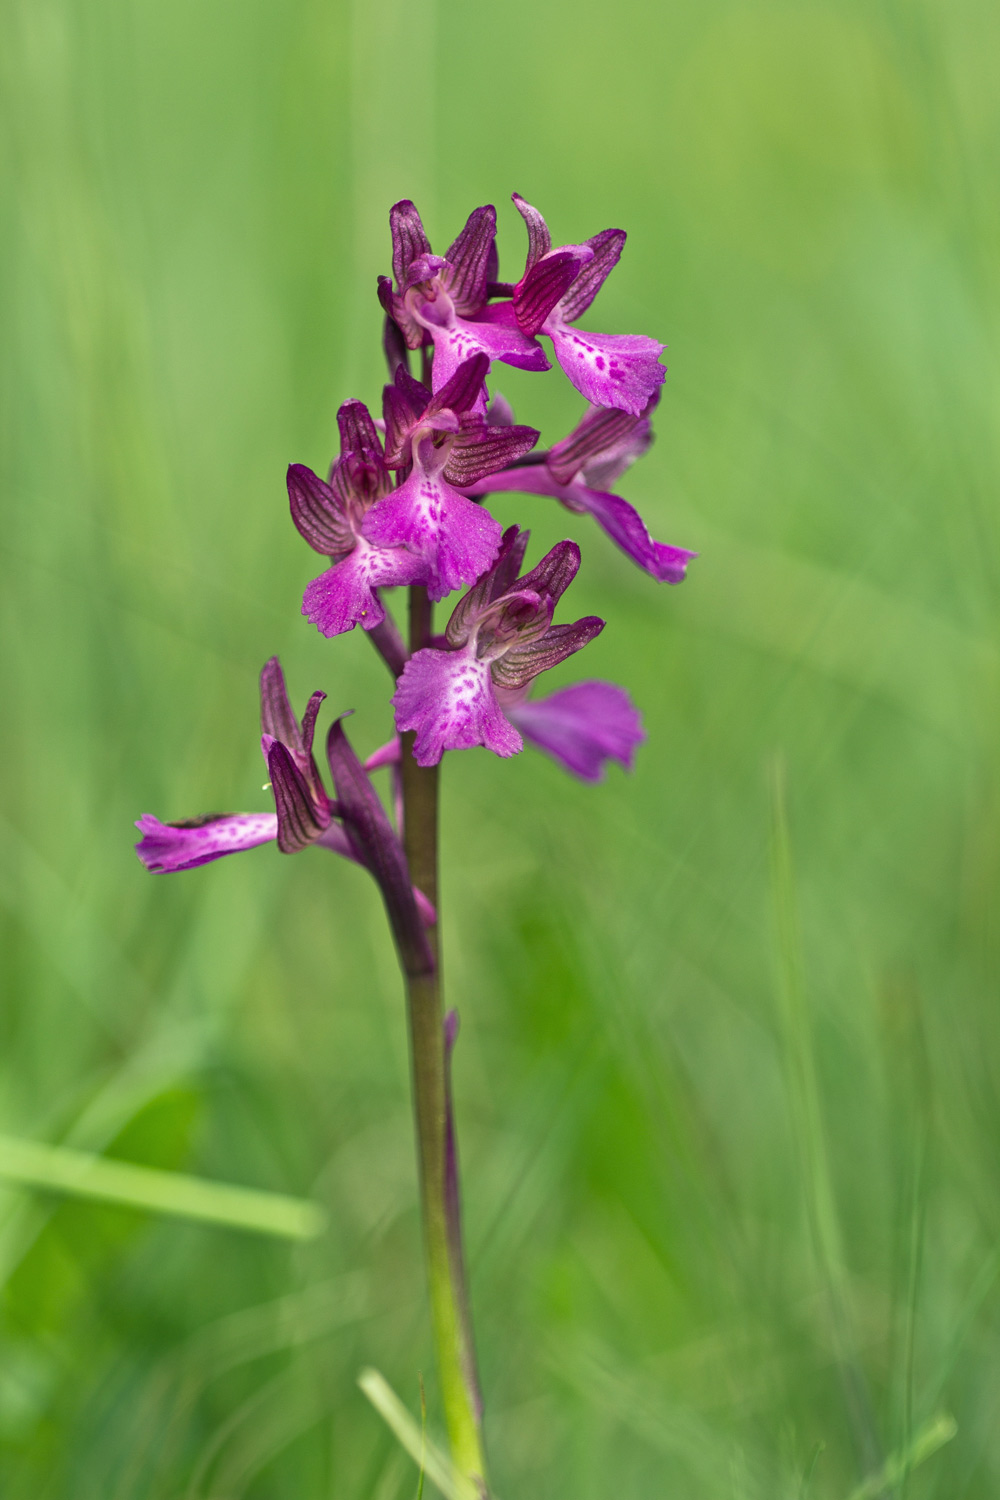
404, 504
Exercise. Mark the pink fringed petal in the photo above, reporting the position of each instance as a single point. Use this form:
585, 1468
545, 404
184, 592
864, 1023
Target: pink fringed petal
456, 539
610, 369
343, 596
447, 697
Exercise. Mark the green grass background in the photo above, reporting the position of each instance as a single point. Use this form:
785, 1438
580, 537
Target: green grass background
729, 1075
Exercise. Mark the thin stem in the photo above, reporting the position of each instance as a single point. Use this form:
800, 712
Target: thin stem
388, 642
442, 1233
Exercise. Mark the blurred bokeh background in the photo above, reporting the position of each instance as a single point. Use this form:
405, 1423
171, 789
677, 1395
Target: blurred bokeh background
729, 1073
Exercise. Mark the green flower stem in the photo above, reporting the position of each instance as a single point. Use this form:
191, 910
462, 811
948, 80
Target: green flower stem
449, 1310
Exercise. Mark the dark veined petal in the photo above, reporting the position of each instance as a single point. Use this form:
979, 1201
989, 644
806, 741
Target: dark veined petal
394, 344
318, 512
378, 849
301, 819
469, 261
409, 241
463, 390
479, 449
358, 433
607, 247
547, 283
520, 665
497, 581
276, 716
309, 720
360, 473
395, 308
556, 571
515, 619
600, 431
539, 239
403, 404
277, 721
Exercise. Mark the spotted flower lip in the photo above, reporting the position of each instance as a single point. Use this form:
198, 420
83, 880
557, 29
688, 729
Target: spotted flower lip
500, 635
557, 288
445, 444
354, 826
442, 300
330, 516
576, 472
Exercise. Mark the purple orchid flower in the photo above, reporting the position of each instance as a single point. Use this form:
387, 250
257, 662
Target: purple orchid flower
445, 445
356, 826
500, 635
582, 727
330, 517
442, 299
576, 472
303, 812
558, 286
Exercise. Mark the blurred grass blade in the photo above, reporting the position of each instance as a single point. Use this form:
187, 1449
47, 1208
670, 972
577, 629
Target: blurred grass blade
436, 1465
938, 1431
59, 1169
807, 1122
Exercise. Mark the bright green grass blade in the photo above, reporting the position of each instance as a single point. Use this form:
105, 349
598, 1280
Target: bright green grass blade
938, 1431
434, 1463
176, 1193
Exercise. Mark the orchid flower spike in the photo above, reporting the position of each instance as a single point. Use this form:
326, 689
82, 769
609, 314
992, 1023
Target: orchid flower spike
445, 445
442, 300
303, 815
618, 370
330, 517
500, 635
577, 471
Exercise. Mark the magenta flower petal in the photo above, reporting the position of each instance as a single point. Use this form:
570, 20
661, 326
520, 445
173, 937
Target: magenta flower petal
301, 817
603, 443
518, 666
344, 596
495, 333
456, 539
318, 512
480, 448
409, 241
448, 698
606, 249
626, 528
610, 369
539, 238
546, 284
469, 260
582, 727
166, 847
